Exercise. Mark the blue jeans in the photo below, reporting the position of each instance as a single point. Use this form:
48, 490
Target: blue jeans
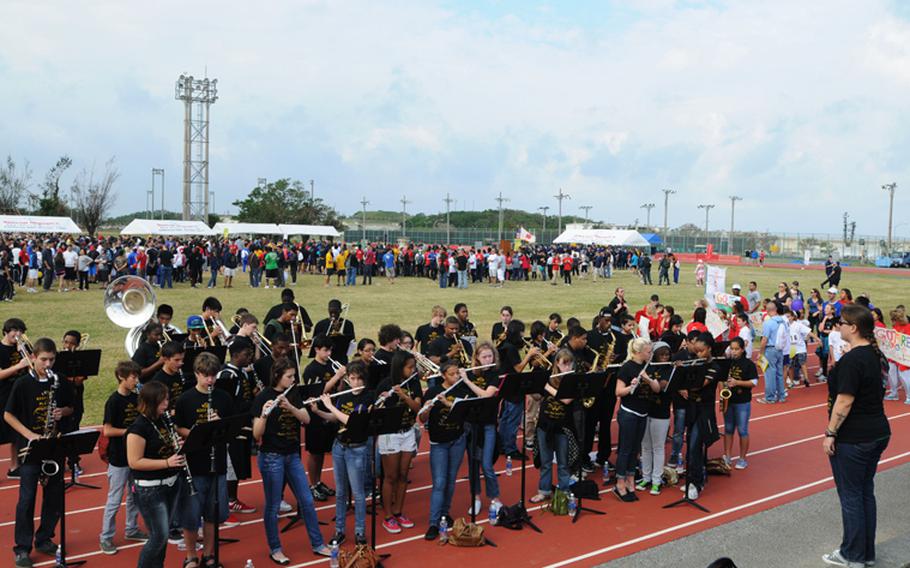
25, 508
349, 464
255, 274
563, 475
737, 418
213, 279
155, 504
774, 376
696, 454
167, 277
462, 278
509, 420
679, 430
275, 470
445, 459
443, 278
487, 455
117, 481
853, 466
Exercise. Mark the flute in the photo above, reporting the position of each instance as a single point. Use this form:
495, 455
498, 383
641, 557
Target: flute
468, 369
277, 399
318, 398
437, 398
382, 397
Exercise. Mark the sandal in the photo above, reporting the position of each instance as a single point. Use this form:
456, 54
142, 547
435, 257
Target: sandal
283, 562
191, 562
539, 498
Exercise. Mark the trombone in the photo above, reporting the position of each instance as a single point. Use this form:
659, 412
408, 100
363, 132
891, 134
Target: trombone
305, 342
336, 326
25, 347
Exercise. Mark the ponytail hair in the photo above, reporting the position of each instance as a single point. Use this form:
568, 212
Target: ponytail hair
861, 317
636, 346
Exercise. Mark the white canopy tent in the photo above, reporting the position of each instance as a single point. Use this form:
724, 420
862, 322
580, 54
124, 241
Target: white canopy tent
36, 224
247, 229
158, 227
311, 230
611, 237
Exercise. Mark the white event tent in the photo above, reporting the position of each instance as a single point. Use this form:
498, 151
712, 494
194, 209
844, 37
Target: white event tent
247, 229
310, 230
37, 224
611, 237
159, 227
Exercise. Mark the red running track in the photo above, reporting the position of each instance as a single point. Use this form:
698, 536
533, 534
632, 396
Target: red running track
786, 463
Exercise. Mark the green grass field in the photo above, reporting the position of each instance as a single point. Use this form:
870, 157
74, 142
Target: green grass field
406, 303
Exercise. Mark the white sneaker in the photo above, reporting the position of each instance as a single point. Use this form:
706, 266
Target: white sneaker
475, 510
693, 492
835, 559
818, 373
284, 507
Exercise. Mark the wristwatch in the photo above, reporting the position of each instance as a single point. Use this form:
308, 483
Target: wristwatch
830, 434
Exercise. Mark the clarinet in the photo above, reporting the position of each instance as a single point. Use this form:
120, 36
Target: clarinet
50, 424
177, 445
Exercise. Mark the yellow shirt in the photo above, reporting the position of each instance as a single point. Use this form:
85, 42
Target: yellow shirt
329, 261
341, 259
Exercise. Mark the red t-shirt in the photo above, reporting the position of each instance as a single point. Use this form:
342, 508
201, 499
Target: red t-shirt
697, 326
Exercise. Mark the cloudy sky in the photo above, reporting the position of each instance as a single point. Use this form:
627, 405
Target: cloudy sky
801, 108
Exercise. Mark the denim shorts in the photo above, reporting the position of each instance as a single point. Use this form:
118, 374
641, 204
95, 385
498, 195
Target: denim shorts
737, 417
192, 508
798, 360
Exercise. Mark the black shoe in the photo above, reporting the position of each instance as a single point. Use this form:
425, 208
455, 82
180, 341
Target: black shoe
587, 467
432, 533
326, 489
516, 455
47, 547
175, 536
360, 539
338, 538
318, 495
633, 496
14, 474
22, 560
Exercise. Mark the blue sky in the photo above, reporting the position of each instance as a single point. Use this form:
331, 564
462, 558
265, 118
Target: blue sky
800, 108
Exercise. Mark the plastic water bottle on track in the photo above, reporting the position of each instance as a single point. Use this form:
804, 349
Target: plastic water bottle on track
333, 560
443, 531
573, 505
494, 513
58, 557
509, 466
249, 564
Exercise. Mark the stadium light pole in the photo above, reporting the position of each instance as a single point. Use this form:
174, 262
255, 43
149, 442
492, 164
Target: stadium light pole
448, 201
404, 214
733, 200
587, 209
158, 172
363, 218
500, 199
890, 187
560, 196
649, 207
667, 194
543, 230
707, 207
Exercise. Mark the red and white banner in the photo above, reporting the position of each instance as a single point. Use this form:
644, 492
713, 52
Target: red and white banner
525, 235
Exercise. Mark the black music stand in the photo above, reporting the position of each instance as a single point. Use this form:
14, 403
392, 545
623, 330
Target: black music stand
690, 408
578, 386
78, 364
306, 392
219, 351
478, 412
214, 436
379, 421
516, 387
58, 450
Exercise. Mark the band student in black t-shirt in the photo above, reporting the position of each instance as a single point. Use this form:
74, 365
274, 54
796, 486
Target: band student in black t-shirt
484, 383
654, 443
276, 428
202, 404
148, 354
634, 388
340, 332
71, 341
155, 469
171, 373
287, 297
450, 346
430, 332
120, 411
281, 348
350, 455
320, 434
742, 378
700, 415
554, 431
29, 414
12, 364
240, 386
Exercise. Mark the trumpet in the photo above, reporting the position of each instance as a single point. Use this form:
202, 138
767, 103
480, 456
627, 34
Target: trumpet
425, 365
336, 366
540, 359
461, 352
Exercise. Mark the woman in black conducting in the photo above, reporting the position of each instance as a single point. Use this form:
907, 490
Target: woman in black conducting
857, 434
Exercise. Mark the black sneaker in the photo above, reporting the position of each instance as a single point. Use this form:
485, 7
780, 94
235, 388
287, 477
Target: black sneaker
326, 490
318, 495
338, 538
14, 474
587, 467
175, 536
360, 539
432, 533
47, 547
23, 561
516, 455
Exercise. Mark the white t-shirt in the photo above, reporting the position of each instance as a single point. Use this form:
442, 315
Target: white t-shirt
746, 334
69, 259
798, 332
836, 344
492, 262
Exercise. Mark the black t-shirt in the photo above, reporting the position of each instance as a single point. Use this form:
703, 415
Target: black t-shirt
238, 385
29, 399
461, 262
351, 404
157, 446
742, 369
584, 358
703, 383
553, 414
622, 345
485, 379
282, 429
440, 428
120, 412
263, 368
600, 341
509, 356
427, 334
191, 409
413, 389
146, 354
858, 373
167, 258
377, 371
616, 307
275, 313
176, 384
660, 401
9, 356
340, 341
442, 345
674, 340
498, 329
640, 400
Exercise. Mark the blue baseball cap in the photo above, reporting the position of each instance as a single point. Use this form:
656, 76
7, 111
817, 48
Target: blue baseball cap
195, 322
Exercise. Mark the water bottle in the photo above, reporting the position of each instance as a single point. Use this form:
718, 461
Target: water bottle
494, 513
249, 564
333, 560
443, 530
58, 558
509, 466
573, 505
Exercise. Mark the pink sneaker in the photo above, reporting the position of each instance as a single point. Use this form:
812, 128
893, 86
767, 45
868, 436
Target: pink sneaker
391, 525
404, 522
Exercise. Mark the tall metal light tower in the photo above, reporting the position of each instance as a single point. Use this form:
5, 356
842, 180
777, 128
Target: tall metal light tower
404, 214
500, 199
649, 207
158, 172
667, 194
363, 221
587, 209
197, 96
560, 196
545, 208
733, 200
448, 200
890, 187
